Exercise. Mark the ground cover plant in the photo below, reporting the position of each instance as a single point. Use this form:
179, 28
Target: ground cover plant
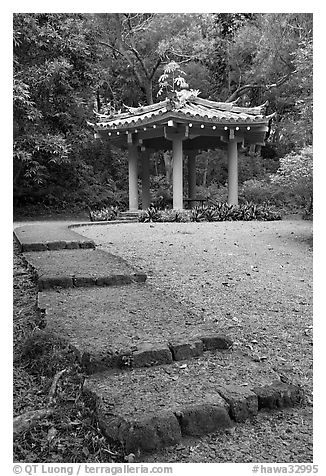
104, 214
212, 213
47, 382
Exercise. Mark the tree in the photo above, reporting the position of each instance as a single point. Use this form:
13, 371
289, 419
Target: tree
172, 79
268, 57
296, 174
259, 49
54, 58
143, 43
66, 65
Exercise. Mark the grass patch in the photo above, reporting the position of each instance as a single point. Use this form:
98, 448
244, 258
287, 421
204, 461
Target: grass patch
70, 433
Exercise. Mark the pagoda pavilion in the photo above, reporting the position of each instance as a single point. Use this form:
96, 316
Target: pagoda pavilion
184, 124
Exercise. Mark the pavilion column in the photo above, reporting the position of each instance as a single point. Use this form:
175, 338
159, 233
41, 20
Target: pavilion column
232, 173
177, 173
192, 176
146, 195
133, 177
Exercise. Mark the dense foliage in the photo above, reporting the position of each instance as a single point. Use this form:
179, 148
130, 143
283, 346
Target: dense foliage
67, 65
295, 174
216, 212
56, 160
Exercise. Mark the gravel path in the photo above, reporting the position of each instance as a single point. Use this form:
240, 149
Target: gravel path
253, 280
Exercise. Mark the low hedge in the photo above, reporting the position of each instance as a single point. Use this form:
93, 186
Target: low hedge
219, 212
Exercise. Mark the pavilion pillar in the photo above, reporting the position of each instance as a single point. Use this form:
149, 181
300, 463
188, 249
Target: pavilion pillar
177, 173
133, 176
146, 195
192, 176
232, 173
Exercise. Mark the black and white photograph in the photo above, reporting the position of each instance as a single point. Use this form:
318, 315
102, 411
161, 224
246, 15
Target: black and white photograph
162, 242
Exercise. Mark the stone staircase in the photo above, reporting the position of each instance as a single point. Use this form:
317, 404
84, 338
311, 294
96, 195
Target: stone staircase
157, 372
128, 216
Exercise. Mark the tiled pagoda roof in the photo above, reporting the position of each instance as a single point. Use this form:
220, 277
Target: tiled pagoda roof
189, 109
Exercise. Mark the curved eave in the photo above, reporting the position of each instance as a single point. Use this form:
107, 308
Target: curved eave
183, 118
194, 109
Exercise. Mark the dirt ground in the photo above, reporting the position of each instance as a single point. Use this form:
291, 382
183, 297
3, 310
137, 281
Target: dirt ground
253, 280
74, 433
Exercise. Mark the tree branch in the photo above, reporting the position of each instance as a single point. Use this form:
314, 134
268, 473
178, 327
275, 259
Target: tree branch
126, 56
53, 388
142, 26
28, 420
113, 48
132, 47
280, 81
155, 67
240, 91
140, 59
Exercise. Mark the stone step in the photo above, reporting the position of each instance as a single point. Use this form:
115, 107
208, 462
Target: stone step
129, 214
128, 219
147, 409
69, 268
50, 236
127, 326
117, 221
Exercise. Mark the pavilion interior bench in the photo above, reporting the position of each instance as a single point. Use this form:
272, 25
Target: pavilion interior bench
194, 201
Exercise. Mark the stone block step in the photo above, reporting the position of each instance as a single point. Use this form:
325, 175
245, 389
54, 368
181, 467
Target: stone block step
50, 236
127, 326
129, 214
68, 268
147, 409
127, 219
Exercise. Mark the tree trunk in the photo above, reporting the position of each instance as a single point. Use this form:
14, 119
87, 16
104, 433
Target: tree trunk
149, 91
252, 150
98, 101
168, 166
28, 420
204, 183
156, 163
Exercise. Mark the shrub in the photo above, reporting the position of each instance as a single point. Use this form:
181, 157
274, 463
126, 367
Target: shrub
181, 216
218, 212
271, 193
214, 192
197, 214
267, 213
169, 216
261, 191
223, 211
210, 213
149, 215
104, 214
161, 192
296, 175
289, 189
152, 214
307, 215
